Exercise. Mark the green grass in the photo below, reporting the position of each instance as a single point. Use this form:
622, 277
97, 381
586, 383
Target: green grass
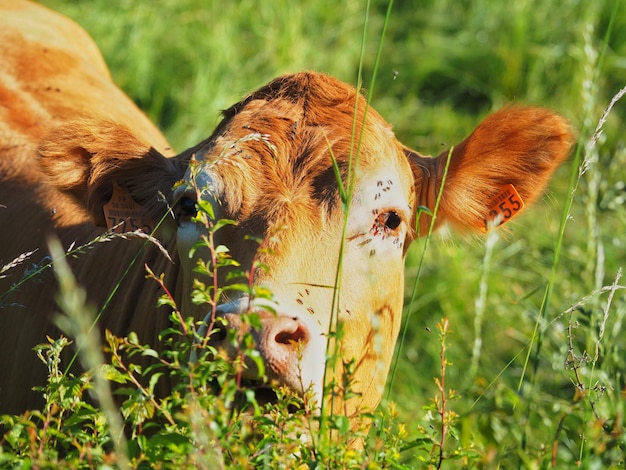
444, 65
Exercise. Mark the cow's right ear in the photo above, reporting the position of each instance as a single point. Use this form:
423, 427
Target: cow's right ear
504, 165
88, 159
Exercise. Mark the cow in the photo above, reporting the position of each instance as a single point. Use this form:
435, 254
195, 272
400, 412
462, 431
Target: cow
303, 166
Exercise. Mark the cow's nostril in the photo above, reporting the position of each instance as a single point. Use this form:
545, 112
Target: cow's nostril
289, 336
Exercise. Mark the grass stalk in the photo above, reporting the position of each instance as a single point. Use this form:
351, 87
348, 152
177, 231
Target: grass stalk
579, 168
444, 329
407, 322
77, 322
481, 302
347, 191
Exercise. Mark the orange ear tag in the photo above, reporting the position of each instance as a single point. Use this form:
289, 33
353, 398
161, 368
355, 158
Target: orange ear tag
123, 214
503, 206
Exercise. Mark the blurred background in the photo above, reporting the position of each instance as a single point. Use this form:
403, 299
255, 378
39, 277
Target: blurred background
444, 65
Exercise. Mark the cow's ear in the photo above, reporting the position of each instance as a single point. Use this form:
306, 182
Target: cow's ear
88, 159
503, 166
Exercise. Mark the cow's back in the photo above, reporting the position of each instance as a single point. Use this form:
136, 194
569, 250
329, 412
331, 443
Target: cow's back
52, 71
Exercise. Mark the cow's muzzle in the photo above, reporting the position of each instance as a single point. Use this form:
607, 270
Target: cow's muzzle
279, 339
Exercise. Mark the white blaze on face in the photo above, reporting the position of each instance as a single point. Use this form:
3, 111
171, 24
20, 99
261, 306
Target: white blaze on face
373, 277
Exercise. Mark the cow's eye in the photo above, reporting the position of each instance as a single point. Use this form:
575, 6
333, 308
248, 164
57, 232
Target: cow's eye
392, 220
387, 223
187, 207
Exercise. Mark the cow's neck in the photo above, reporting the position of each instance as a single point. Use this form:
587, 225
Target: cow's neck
115, 277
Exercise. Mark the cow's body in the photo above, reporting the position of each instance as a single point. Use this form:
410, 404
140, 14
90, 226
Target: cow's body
50, 72
68, 137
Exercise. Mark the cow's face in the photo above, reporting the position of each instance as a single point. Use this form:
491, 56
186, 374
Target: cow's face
333, 245
269, 167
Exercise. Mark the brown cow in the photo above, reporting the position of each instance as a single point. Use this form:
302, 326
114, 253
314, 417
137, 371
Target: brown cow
69, 138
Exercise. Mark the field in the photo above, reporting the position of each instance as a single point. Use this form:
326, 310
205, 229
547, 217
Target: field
536, 355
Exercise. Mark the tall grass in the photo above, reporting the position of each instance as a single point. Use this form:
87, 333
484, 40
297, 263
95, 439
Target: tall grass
445, 64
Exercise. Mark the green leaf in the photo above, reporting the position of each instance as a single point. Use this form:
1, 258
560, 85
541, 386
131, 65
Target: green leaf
221, 249
153, 380
206, 207
150, 353
112, 374
342, 190
223, 222
424, 210
132, 338
341, 423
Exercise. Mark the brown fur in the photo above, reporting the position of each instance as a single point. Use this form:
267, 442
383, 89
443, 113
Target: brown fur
67, 135
52, 77
518, 146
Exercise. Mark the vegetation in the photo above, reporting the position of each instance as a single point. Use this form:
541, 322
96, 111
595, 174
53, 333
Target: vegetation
530, 361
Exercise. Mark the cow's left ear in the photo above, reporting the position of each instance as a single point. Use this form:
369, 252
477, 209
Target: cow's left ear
87, 159
503, 166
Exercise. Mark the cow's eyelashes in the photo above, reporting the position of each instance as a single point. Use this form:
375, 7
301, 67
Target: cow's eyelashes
187, 207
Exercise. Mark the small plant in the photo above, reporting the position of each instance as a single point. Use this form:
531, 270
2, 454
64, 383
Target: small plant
440, 442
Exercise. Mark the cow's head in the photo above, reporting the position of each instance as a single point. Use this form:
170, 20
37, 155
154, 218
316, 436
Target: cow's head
272, 166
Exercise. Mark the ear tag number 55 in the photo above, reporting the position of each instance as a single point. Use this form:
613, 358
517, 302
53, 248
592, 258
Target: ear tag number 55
503, 206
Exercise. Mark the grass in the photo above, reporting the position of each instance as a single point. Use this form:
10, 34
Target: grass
520, 401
